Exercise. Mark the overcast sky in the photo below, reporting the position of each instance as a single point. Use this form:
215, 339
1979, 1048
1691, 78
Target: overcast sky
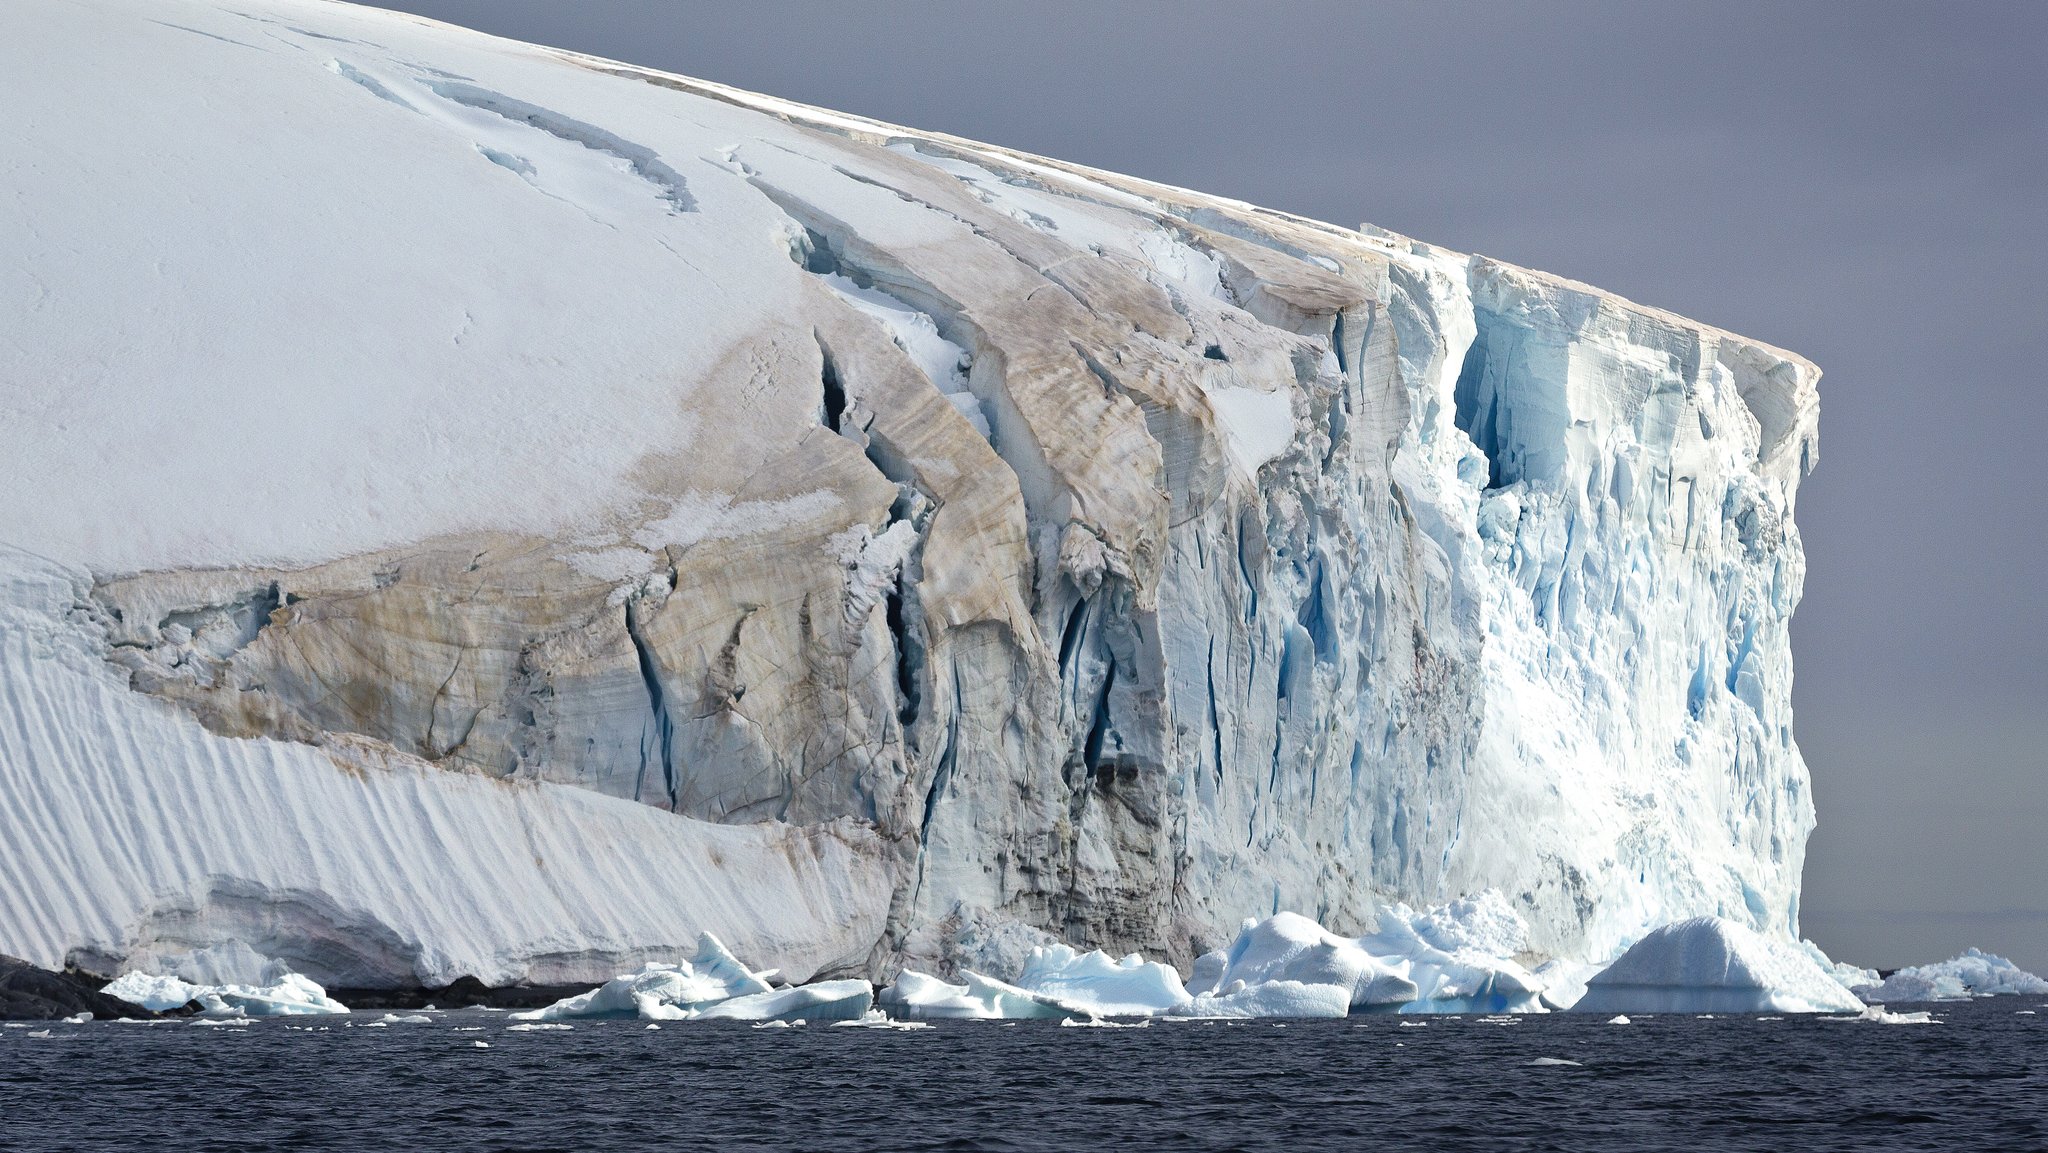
1866, 184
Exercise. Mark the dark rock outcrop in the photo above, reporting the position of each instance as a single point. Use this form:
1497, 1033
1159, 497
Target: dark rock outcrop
31, 994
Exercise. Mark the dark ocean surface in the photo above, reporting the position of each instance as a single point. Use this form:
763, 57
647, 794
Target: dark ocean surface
1977, 1080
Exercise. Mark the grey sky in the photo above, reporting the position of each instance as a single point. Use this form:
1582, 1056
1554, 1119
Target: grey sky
1866, 184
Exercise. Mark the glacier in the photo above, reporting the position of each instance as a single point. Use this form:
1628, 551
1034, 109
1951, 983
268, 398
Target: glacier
483, 510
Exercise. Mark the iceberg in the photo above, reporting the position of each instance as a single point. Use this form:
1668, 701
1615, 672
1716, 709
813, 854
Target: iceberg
1973, 974
1453, 958
287, 995
1101, 986
915, 994
934, 535
1281, 998
1293, 950
847, 1000
1708, 965
662, 992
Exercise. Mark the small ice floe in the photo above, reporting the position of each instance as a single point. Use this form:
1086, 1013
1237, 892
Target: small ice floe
1105, 1023
1878, 1014
78, 1018
408, 1019
1620, 1019
41, 1034
651, 1028
1704, 1017
1770, 1018
279, 993
876, 1019
479, 1044
469, 1028
1500, 1019
1551, 1061
2023, 1013
537, 1026
1415, 1024
223, 1021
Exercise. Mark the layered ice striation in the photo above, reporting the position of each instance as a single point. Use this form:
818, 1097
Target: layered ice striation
871, 546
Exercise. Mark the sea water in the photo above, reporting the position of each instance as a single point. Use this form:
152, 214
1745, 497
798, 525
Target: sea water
1975, 1077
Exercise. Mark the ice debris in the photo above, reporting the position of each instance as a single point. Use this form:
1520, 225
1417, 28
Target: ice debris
1708, 965
917, 994
712, 985
284, 994
1974, 974
662, 992
1092, 981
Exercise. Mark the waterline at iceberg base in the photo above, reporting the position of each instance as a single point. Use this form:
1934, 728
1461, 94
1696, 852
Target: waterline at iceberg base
876, 549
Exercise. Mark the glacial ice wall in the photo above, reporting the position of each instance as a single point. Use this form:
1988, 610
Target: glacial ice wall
1074, 554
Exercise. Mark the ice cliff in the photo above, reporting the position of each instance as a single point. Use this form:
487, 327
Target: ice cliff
474, 509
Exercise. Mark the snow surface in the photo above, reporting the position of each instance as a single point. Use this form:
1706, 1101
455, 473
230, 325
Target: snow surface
1708, 965
1973, 974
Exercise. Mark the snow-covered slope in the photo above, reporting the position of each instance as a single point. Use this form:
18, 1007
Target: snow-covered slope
474, 508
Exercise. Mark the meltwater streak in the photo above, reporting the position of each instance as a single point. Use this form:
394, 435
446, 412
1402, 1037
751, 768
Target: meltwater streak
1974, 1081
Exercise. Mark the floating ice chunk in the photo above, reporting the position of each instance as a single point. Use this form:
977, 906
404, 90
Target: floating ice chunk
1882, 1016
78, 1018
287, 994
1619, 1019
1708, 965
1458, 956
662, 992
408, 1019
982, 998
1454, 958
1291, 948
1098, 985
823, 1001
1552, 1061
537, 1026
1282, 998
876, 1019
479, 1044
1974, 974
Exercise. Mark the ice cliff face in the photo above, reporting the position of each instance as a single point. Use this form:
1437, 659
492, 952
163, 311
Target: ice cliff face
861, 543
